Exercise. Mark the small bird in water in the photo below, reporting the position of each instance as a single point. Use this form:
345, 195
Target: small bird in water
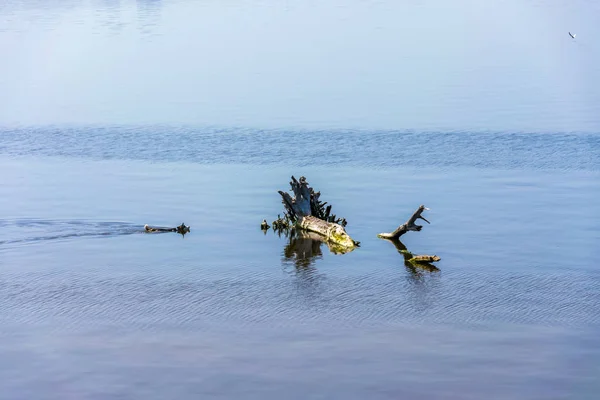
572, 35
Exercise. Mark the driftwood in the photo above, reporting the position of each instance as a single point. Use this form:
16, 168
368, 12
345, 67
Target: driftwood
407, 226
423, 258
304, 247
411, 260
305, 211
414, 262
181, 229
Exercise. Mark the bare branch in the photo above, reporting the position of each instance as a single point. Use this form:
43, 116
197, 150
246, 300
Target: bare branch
407, 226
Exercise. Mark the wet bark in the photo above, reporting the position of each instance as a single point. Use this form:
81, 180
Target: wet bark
181, 229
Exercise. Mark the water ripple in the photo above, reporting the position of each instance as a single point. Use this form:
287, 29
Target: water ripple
523, 299
31, 230
563, 151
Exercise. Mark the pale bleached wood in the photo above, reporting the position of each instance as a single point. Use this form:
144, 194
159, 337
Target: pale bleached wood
407, 226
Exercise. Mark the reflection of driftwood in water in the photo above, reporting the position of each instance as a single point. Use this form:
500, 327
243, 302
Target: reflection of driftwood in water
181, 229
413, 262
307, 212
304, 247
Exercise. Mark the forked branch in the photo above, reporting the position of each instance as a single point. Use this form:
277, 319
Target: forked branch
409, 225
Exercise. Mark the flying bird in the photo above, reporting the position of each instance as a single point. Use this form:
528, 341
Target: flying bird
572, 35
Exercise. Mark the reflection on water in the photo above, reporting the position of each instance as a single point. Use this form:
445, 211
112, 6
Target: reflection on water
415, 268
423, 279
304, 248
300, 254
148, 14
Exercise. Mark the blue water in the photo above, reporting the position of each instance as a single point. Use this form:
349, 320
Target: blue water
428, 65
116, 114
378, 149
95, 308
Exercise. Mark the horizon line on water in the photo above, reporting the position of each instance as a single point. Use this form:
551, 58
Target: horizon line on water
258, 128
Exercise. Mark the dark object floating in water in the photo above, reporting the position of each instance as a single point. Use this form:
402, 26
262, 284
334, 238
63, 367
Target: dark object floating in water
572, 35
264, 226
181, 229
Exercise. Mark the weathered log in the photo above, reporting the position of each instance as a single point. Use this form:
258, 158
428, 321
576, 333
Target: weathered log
424, 258
181, 229
412, 261
307, 212
329, 230
315, 237
407, 226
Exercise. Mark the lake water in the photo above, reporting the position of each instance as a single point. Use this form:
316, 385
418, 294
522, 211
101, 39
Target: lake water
116, 114
93, 308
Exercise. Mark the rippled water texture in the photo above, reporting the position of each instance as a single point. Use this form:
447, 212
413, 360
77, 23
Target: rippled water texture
96, 307
116, 114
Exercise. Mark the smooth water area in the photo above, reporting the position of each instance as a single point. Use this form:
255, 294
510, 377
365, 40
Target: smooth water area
375, 64
120, 113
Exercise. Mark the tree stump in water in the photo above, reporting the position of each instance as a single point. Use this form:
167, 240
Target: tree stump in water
307, 212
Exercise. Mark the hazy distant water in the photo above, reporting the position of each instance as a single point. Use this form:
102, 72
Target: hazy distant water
464, 65
114, 114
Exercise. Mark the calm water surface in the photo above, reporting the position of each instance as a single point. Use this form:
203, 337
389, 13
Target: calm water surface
506, 65
94, 308
114, 114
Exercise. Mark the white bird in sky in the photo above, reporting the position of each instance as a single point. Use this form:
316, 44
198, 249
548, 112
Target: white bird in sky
572, 35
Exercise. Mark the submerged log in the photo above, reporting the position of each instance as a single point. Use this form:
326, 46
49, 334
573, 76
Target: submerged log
307, 212
424, 258
332, 232
414, 262
181, 229
407, 226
